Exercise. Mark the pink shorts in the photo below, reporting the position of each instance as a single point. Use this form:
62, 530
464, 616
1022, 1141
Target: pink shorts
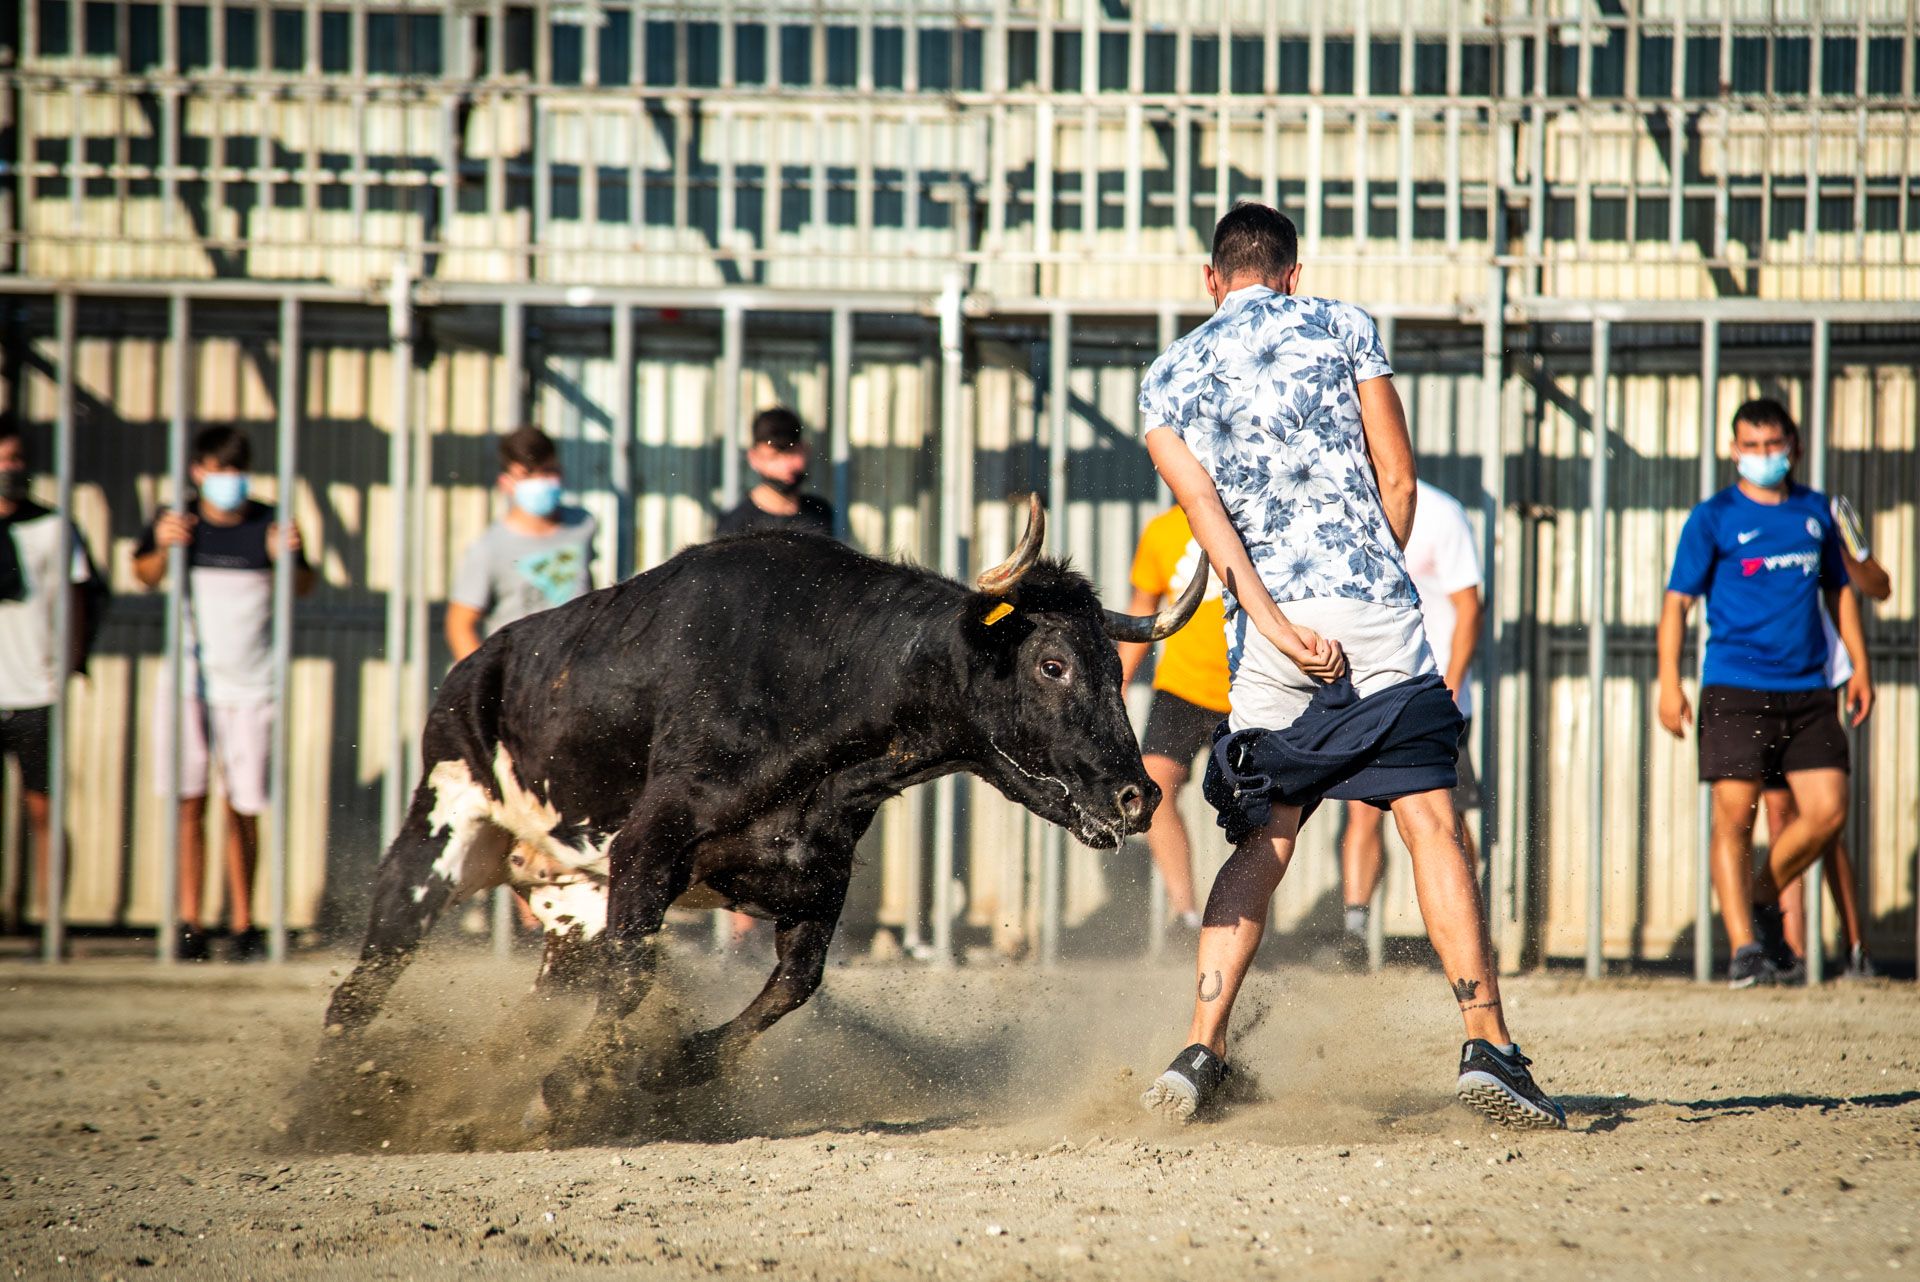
241, 737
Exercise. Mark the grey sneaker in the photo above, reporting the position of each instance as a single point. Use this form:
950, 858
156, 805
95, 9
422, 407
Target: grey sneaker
1190, 1085
1860, 965
1498, 1085
1751, 968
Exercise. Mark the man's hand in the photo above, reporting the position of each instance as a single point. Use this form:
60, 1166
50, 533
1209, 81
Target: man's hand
1319, 657
1859, 696
1675, 712
283, 538
173, 529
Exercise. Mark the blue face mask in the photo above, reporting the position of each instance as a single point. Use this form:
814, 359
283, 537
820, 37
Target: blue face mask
225, 490
1765, 470
537, 495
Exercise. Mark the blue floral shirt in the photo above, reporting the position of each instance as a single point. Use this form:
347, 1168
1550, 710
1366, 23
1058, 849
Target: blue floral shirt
1265, 395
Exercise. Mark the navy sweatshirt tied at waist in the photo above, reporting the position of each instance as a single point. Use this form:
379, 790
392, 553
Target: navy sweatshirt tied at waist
1392, 743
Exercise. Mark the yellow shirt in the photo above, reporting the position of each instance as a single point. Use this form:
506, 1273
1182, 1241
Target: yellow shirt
1193, 661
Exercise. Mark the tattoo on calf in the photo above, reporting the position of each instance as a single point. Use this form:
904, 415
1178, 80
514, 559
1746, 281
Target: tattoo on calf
1464, 989
1218, 984
1493, 1005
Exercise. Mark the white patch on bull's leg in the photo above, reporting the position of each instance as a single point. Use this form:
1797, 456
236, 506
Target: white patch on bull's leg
571, 906
474, 857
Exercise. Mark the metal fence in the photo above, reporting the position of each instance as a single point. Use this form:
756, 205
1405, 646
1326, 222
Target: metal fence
953, 235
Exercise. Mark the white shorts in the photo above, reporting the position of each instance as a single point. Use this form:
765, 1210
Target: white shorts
1384, 645
242, 738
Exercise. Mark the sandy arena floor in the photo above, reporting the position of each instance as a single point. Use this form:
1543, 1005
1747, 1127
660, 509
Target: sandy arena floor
977, 1123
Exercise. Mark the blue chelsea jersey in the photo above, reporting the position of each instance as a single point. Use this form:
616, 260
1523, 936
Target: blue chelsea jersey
1762, 568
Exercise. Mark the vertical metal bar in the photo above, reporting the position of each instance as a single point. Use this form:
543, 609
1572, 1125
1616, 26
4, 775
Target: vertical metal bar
839, 408
732, 340
1703, 837
1597, 651
393, 784
1495, 850
54, 920
622, 452
510, 409
1816, 890
178, 335
1059, 364
956, 522
287, 472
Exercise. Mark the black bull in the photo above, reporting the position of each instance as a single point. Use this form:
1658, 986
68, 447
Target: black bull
719, 732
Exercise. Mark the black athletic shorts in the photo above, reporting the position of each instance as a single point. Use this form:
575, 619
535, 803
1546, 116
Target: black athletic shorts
24, 735
1768, 734
1177, 729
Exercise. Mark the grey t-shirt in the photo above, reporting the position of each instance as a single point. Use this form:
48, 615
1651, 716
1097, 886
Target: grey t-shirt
507, 575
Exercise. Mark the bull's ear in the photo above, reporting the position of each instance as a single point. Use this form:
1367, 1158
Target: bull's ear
993, 622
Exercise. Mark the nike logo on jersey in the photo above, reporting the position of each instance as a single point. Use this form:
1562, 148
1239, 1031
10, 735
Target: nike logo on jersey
1748, 537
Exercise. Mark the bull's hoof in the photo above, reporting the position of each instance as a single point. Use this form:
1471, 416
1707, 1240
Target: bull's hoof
697, 1060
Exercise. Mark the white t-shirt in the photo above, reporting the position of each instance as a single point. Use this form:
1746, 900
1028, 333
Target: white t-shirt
1442, 559
29, 674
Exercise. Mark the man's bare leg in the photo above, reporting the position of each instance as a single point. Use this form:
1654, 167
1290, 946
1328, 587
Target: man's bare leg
1234, 922
1167, 837
1820, 798
193, 859
1449, 895
1734, 803
39, 808
243, 856
1362, 854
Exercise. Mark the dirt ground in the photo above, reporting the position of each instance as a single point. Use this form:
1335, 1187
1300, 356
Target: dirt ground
973, 1123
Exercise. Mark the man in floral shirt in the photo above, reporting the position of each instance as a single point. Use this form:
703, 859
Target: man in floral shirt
1277, 427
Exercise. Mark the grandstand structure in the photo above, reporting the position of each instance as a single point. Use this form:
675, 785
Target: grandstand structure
953, 235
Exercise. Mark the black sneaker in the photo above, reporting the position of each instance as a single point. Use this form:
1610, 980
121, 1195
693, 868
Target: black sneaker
1860, 965
1498, 1085
1189, 1086
249, 945
191, 945
1751, 968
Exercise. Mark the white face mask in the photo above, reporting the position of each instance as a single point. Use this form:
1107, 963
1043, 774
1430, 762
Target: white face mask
1765, 470
537, 495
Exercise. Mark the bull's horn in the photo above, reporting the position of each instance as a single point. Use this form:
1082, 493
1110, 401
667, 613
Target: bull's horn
1158, 627
1004, 577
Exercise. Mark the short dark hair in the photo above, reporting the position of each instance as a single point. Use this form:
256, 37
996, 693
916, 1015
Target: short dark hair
779, 427
1766, 412
225, 445
530, 447
1254, 239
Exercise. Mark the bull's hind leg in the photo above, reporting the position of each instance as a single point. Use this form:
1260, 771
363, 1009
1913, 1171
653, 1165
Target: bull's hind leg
800, 961
447, 850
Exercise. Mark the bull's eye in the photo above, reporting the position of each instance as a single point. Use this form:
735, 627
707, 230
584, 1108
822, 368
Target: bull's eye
1053, 670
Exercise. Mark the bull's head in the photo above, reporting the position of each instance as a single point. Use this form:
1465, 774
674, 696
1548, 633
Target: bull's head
1044, 691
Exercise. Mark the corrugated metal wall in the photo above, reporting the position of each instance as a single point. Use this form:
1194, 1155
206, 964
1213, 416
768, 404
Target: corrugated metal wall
340, 704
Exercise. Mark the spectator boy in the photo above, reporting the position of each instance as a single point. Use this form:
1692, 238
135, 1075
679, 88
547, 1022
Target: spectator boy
1446, 571
1765, 554
1189, 695
232, 542
31, 673
1870, 579
778, 456
538, 555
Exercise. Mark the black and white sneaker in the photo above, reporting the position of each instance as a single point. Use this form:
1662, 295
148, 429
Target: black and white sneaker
1752, 968
1190, 1085
1496, 1083
1860, 964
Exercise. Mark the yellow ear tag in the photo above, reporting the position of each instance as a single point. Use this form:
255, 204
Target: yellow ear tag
998, 613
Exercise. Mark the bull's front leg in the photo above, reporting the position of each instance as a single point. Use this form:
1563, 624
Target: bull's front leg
649, 865
801, 959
